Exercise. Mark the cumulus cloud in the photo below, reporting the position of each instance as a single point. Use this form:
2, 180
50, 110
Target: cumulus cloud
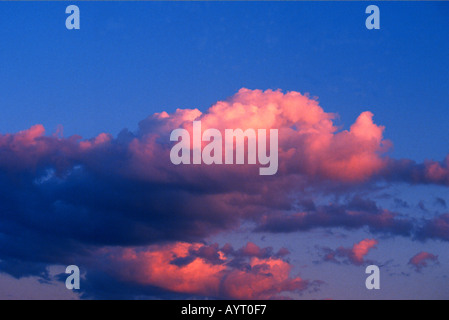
63, 198
197, 269
354, 255
429, 172
309, 142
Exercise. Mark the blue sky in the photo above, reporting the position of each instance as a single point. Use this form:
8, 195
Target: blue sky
130, 60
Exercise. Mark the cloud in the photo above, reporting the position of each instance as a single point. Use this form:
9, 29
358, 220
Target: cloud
429, 172
310, 144
61, 199
354, 255
354, 214
34, 288
210, 273
436, 228
361, 249
421, 260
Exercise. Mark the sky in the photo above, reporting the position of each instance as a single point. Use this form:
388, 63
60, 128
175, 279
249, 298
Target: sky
85, 171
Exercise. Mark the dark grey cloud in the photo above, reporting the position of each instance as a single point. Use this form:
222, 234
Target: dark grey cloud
354, 214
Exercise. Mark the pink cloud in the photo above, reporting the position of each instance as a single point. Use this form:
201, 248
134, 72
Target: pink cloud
176, 267
309, 144
252, 249
355, 255
428, 172
436, 172
361, 249
421, 260
131, 194
101, 139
